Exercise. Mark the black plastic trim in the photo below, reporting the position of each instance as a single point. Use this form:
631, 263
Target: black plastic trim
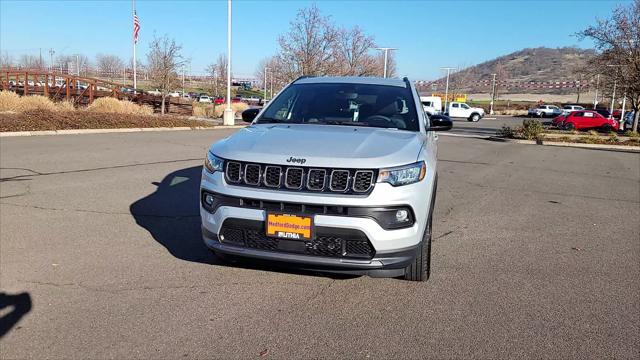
371, 212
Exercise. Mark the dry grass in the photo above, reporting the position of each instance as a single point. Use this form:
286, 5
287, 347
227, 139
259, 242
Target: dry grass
511, 112
115, 106
34, 120
12, 102
209, 110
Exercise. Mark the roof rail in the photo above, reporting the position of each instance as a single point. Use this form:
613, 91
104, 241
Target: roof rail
303, 77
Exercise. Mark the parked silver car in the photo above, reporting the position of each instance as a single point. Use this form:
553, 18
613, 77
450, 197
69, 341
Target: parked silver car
545, 111
336, 173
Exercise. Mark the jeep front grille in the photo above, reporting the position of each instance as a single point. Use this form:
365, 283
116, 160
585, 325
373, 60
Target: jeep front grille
347, 181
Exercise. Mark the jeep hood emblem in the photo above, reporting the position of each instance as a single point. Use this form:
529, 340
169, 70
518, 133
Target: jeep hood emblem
296, 160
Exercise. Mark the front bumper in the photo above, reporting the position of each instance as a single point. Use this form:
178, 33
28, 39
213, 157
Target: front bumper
392, 249
387, 264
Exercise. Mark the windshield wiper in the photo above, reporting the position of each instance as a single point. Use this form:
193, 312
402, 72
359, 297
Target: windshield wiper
346, 123
270, 121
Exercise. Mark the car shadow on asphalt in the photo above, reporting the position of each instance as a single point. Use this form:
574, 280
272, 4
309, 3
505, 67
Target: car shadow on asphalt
19, 305
171, 214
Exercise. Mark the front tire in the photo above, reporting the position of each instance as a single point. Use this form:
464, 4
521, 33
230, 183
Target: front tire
474, 118
569, 126
420, 269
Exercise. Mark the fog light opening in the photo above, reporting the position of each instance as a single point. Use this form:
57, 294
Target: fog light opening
208, 199
402, 216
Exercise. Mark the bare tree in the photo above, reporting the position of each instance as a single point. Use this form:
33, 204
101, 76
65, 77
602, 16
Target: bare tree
353, 49
109, 66
164, 59
618, 42
278, 75
308, 47
218, 73
502, 79
6, 60
31, 62
391, 65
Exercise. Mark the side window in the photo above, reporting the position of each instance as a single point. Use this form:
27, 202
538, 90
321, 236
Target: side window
588, 114
464, 106
578, 114
454, 105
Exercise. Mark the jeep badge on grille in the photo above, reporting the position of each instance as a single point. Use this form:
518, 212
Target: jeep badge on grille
296, 160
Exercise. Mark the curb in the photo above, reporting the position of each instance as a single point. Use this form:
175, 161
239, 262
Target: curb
111, 131
619, 148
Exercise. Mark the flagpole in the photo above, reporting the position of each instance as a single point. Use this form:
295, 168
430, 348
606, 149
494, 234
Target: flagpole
135, 78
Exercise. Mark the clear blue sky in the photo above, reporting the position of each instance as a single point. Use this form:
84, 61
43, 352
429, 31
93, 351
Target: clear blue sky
429, 34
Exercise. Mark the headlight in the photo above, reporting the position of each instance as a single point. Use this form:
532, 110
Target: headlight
403, 175
213, 163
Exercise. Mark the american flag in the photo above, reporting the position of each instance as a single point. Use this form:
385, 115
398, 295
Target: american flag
136, 27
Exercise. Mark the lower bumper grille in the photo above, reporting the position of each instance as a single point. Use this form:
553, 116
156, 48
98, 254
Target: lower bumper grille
328, 242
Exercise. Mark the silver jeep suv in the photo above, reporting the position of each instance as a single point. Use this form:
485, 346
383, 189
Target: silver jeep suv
335, 174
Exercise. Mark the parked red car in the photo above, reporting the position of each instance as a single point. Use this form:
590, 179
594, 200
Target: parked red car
219, 100
589, 119
558, 121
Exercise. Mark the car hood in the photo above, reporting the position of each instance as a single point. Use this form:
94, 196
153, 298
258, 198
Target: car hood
321, 146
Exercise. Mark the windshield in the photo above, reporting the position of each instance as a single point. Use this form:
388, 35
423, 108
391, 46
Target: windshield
344, 104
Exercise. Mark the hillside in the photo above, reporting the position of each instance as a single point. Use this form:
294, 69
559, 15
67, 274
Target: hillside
532, 65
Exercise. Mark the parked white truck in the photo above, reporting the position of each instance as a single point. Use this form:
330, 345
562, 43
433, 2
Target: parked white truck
432, 105
462, 110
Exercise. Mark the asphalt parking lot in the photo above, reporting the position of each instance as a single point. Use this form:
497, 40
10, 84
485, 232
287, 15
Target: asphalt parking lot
536, 254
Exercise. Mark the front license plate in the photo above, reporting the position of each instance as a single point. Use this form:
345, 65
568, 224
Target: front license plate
287, 226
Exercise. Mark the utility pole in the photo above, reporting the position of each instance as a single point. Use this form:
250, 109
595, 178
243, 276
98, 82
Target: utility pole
271, 85
228, 117
493, 93
446, 91
386, 58
265, 83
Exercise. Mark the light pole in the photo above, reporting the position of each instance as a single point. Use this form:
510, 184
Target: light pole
228, 118
615, 82
595, 99
265, 83
446, 90
386, 57
51, 52
493, 93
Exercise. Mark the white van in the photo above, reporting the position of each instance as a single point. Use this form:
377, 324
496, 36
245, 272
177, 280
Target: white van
432, 105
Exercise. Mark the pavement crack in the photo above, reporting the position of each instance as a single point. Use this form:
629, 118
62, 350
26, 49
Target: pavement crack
177, 217
36, 173
322, 291
591, 197
111, 291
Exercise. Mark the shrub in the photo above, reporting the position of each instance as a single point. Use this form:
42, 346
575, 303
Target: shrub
532, 129
632, 134
113, 105
505, 131
216, 111
613, 137
10, 101
593, 133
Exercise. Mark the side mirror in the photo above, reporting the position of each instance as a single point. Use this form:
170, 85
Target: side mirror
250, 114
440, 123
